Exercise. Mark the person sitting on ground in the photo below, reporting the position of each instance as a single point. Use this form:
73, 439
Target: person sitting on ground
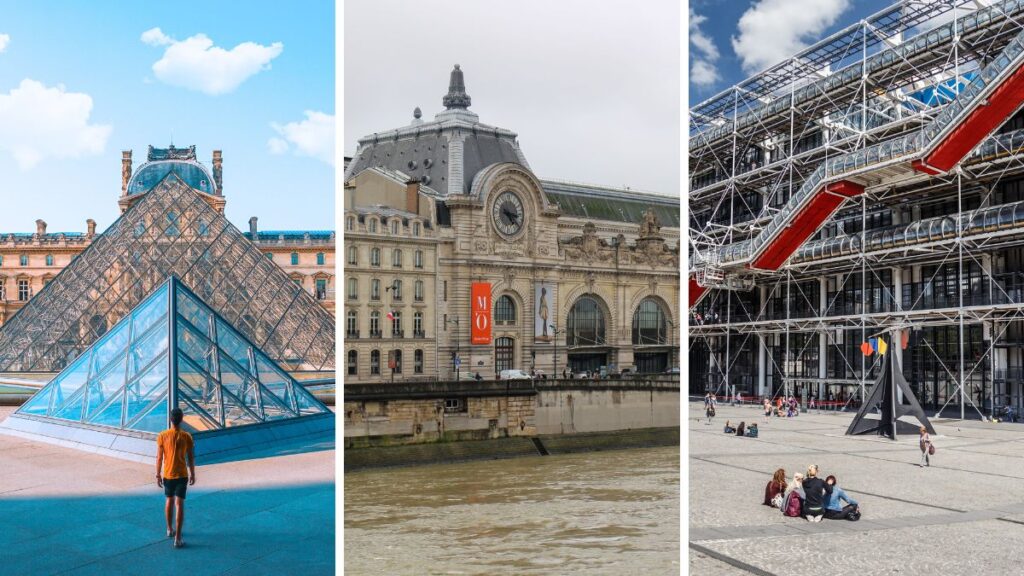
741, 429
752, 431
728, 428
834, 509
816, 494
793, 498
775, 489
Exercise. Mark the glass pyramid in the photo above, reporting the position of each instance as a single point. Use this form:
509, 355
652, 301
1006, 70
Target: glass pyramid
171, 230
172, 350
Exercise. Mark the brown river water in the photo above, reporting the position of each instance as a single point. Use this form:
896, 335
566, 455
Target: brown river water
613, 512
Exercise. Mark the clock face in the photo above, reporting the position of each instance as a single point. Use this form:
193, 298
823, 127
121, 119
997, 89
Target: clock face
508, 214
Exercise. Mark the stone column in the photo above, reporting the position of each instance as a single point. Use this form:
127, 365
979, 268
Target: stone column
126, 170
218, 181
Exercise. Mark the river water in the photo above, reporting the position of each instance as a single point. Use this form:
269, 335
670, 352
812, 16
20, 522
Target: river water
614, 512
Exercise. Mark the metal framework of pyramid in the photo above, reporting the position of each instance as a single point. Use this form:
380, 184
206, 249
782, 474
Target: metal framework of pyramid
171, 351
171, 230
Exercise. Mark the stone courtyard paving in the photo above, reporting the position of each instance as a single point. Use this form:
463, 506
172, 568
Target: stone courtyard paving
962, 515
65, 511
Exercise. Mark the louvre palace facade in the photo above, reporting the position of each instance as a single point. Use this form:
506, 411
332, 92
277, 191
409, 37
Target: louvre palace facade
62, 292
459, 260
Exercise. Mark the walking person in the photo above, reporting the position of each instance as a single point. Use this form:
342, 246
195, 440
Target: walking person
175, 472
710, 410
925, 442
816, 494
767, 409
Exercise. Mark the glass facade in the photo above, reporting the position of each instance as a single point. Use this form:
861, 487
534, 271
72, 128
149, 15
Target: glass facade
139, 251
172, 350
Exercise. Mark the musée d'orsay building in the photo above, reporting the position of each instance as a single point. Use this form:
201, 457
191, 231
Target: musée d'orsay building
62, 292
460, 260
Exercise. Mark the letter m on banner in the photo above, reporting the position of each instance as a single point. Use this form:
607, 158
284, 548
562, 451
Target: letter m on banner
480, 333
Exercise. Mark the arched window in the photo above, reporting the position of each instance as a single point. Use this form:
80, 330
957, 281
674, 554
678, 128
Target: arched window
417, 361
396, 258
375, 362
375, 324
375, 289
371, 225
396, 325
505, 311
418, 259
417, 291
415, 228
353, 363
352, 324
504, 354
649, 324
353, 289
585, 325
395, 226
417, 325
353, 255
375, 257
396, 290
396, 355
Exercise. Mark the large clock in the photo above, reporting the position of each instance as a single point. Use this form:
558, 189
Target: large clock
508, 214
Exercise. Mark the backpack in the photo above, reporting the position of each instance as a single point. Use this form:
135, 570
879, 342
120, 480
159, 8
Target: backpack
931, 449
793, 505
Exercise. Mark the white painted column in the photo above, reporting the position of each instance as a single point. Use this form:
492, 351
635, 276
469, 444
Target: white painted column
895, 347
822, 337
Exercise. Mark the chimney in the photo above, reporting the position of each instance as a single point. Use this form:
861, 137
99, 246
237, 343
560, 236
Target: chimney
218, 161
40, 228
126, 170
90, 225
252, 228
412, 196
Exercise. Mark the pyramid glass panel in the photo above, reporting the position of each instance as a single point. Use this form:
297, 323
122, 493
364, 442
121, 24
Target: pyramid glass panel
169, 230
155, 358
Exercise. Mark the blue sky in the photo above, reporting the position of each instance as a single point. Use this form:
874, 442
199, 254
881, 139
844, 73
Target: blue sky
731, 40
261, 88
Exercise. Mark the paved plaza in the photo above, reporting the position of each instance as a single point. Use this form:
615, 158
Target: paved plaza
65, 511
963, 515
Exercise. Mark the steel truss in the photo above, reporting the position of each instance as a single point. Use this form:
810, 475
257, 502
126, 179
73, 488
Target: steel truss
754, 144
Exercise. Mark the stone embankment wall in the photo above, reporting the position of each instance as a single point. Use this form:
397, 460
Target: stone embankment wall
444, 421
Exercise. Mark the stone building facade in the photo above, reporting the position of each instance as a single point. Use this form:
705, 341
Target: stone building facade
572, 277
28, 261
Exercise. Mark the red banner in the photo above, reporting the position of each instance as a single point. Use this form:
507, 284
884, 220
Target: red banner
480, 332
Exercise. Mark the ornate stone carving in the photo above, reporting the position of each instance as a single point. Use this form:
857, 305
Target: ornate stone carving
588, 247
652, 283
509, 275
591, 280
650, 247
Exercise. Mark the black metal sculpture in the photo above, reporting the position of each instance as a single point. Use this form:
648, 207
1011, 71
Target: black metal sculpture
883, 395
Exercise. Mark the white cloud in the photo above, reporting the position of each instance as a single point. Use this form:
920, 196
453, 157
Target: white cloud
313, 137
5, 39
37, 122
704, 55
773, 30
196, 64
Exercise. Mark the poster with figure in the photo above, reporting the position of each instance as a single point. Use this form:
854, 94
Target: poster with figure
544, 311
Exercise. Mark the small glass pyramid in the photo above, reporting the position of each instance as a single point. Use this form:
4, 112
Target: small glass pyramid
172, 350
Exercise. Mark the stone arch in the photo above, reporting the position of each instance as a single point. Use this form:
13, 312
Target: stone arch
641, 295
606, 300
610, 324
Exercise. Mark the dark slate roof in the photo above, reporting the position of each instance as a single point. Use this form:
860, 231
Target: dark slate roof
152, 173
612, 204
428, 151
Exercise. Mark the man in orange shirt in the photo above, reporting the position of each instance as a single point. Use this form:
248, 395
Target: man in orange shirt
174, 448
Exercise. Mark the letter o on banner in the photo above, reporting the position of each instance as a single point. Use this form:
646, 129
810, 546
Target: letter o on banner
480, 329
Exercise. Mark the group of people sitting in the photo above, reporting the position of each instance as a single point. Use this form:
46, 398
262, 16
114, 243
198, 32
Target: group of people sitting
810, 497
742, 429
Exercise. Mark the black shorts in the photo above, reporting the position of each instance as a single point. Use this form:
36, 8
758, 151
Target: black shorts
175, 487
